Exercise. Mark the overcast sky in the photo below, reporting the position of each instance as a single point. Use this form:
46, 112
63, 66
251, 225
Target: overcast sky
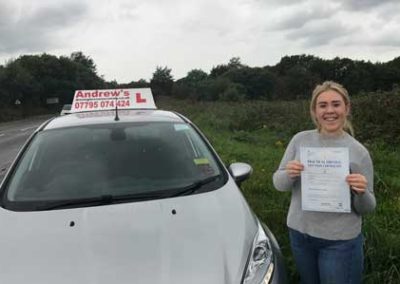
128, 39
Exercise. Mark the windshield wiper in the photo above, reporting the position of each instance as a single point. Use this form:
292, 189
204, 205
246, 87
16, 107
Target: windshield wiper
193, 187
91, 201
102, 200
110, 199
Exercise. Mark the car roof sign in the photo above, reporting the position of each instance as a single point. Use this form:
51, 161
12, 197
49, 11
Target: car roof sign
93, 100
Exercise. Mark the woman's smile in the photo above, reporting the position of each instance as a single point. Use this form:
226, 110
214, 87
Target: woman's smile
331, 112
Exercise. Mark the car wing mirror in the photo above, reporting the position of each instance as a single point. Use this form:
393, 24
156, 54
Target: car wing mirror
240, 171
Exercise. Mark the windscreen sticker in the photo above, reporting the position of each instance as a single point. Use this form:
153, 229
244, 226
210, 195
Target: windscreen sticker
206, 170
203, 164
180, 126
201, 161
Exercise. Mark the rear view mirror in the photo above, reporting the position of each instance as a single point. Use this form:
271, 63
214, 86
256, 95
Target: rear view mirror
240, 171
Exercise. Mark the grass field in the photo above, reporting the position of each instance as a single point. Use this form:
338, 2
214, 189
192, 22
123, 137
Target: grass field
257, 132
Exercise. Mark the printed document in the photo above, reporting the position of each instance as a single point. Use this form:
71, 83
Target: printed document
323, 181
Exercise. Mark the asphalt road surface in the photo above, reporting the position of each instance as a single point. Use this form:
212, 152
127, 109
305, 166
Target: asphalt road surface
13, 135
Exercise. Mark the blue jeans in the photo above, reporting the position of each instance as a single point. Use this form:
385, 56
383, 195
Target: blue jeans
321, 261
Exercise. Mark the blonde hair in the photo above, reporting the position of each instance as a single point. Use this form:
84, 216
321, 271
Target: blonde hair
327, 86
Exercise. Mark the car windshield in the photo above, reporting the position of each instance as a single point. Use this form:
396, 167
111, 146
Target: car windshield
145, 160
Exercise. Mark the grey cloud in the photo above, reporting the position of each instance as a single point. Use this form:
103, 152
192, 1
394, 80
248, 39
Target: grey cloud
278, 2
383, 38
57, 16
390, 13
319, 34
198, 27
37, 31
363, 5
388, 41
381, 41
206, 21
302, 14
6, 11
302, 17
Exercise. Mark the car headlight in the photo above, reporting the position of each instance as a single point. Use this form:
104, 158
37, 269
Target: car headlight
260, 266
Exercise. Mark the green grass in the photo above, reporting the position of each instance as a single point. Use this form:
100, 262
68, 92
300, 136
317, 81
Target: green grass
258, 132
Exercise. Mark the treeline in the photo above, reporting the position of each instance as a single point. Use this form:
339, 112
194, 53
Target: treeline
294, 77
30, 80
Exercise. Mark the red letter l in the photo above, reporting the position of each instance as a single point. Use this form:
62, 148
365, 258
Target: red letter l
139, 98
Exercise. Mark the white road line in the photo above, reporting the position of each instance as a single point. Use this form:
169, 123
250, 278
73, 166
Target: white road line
2, 134
24, 129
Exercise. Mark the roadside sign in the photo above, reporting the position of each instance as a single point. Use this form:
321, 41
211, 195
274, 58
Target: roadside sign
52, 101
92, 100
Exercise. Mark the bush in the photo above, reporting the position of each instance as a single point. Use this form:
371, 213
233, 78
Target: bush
233, 93
375, 117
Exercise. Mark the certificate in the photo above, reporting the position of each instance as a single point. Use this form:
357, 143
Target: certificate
323, 180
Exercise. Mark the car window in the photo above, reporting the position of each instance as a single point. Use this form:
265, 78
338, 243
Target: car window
117, 160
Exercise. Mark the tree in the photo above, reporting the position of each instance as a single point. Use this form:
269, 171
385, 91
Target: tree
195, 76
234, 92
142, 83
299, 83
5, 98
84, 60
303, 61
34, 78
218, 71
189, 86
19, 81
257, 82
212, 89
162, 81
234, 63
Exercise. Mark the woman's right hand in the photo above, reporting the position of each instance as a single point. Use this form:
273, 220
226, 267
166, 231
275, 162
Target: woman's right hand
294, 168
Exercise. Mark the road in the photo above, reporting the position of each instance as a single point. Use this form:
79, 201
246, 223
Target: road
13, 136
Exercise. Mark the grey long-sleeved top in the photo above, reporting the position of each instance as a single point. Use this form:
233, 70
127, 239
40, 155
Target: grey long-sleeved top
326, 225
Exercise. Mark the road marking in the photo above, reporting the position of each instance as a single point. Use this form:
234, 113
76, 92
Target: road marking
2, 134
24, 129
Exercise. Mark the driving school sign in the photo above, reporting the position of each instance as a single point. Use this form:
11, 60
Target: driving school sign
92, 100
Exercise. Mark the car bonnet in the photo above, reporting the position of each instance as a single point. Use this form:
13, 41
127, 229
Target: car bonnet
201, 238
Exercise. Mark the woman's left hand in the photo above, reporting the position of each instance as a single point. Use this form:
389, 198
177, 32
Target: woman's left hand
358, 183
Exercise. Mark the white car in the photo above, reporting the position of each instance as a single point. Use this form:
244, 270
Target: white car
66, 109
129, 196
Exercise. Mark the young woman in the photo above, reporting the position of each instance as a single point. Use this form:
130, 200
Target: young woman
328, 246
